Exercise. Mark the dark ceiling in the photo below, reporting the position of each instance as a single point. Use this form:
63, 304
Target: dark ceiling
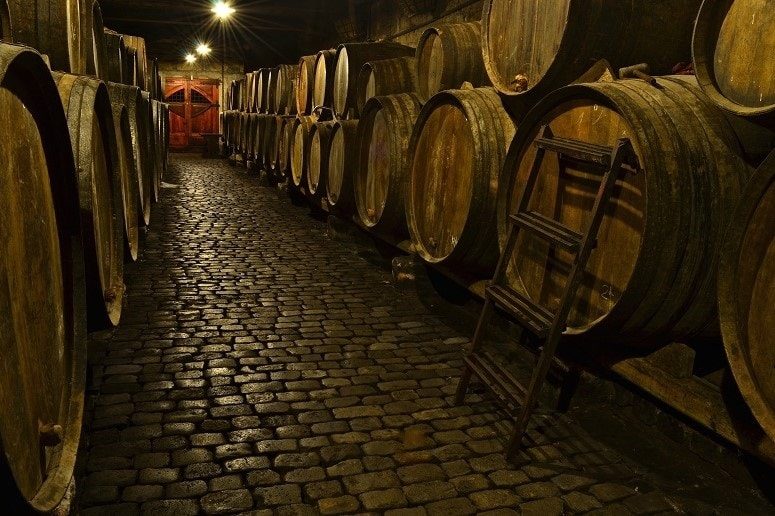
260, 33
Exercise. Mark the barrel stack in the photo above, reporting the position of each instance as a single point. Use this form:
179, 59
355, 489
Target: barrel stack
428, 145
89, 149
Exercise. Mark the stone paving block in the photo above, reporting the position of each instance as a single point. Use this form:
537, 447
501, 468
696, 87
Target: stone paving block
224, 502
429, 491
338, 505
494, 499
450, 506
284, 494
382, 500
609, 492
545, 507
170, 507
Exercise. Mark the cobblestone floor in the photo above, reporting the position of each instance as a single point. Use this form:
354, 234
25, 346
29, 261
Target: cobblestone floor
261, 366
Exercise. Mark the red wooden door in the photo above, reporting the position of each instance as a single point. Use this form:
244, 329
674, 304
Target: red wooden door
193, 110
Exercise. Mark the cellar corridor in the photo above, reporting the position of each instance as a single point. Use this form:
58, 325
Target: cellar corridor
262, 366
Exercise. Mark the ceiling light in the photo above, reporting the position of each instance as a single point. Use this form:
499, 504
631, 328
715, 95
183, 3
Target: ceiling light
190, 58
203, 49
222, 10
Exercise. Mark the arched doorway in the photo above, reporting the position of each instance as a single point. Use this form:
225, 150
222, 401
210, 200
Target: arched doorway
193, 111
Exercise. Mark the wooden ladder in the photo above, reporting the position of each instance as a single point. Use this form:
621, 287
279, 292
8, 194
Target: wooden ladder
545, 327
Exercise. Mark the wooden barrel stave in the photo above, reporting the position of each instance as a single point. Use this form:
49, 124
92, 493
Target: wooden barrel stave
115, 53
43, 367
386, 77
449, 55
262, 91
53, 27
6, 33
137, 44
90, 119
733, 49
93, 31
285, 94
350, 58
747, 293
651, 276
531, 49
276, 164
458, 148
342, 166
383, 166
271, 99
286, 141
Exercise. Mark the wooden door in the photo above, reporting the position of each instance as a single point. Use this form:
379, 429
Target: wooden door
193, 110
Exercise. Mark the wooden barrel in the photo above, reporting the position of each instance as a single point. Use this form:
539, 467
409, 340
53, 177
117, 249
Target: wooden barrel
133, 101
137, 44
145, 117
449, 55
537, 47
747, 294
152, 141
285, 95
271, 88
115, 52
156, 90
386, 77
319, 151
252, 86
42, 308
262, 92
6, 34
305, 78
130, 67
53, 27
251, 135
350, 58
93, 31
383, 166
158, 141
342, 165
457, 152
244, 132
268, 141
277, 160
323, 86
90, 118
300, 149
737, 73
120, 96
652, 275
286, 142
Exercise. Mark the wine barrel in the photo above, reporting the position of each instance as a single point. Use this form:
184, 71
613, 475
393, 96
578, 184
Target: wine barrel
90, 118
262, 92
137, 44
145, 116
120, 96
285, 95
747, 294
158, 142
536, 47
133, 101
53, 27
115, 52
386, 77
276, 160
305, 78
383, 167
286, 142
93, 30
130, 67
457, 152
319, 152
449, 55
156, 90
323, 86
267, 141
737, 73
252, 85
42, 308
244, 132
166, 135
271, 89
350, 58
151, 142
251, 135
652, 276
300, 149
6, 34
342, 165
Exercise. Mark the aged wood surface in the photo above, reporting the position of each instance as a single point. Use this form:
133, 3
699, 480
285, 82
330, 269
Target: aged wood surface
386, 77
116, 55
747, 295
342, 164
652, 276
734, 55
305, 79
449, 55
457, 152
42, 374
319, 151
300, 149
323, 87
93, 39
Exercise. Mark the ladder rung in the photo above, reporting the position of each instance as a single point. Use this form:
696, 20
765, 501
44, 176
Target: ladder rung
535, 318
500, 382
549, 229
578, 150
